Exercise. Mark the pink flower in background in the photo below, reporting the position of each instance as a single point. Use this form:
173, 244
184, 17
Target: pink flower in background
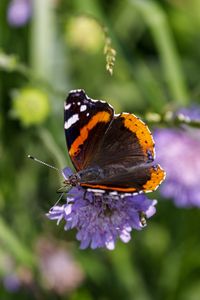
59, 270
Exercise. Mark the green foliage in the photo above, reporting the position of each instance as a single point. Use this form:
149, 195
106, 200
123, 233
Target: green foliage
156, 70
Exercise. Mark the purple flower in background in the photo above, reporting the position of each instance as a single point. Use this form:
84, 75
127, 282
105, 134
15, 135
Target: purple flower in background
19, 12
101, 218
12, 283
178, 151
192, 113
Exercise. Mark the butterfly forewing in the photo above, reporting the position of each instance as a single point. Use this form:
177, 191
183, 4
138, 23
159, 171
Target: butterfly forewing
127, 142
86, 121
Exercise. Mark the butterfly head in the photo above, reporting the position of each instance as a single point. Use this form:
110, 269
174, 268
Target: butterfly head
72, 180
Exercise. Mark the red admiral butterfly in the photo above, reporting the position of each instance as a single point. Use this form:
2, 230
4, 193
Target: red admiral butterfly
109, 152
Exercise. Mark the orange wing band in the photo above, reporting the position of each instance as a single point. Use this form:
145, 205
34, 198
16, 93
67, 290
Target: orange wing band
104, 187
157, 177
141, 130
99, 117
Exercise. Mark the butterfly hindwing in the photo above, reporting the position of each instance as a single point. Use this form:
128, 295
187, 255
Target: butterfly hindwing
144, 178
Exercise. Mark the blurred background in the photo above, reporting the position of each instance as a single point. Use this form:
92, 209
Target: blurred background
48, 47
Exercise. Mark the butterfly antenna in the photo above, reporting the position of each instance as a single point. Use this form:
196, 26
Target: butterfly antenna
43, 163
59, 199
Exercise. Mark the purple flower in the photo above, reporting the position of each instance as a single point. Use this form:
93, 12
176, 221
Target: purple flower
12, 282
19, 12
192, 113
178, 151
101, 218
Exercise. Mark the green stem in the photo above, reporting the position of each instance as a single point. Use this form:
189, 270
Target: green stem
42, 38
155, 18
149, 86
14, 246
128, 274
50, 144
169, 120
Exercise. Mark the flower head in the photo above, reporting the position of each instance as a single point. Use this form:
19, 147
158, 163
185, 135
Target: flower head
11, 283
14, 276
30, 106
178, 152
59, 270
19, 12
84, 33
102, 218
192, 113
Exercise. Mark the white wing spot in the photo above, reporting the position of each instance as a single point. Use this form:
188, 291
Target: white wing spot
83, 108
115, 193
79, 103
96, 191
76, 91
67, 106
71, 121
87, 114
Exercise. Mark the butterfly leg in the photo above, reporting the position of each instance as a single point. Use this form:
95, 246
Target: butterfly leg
143, 218
85, 196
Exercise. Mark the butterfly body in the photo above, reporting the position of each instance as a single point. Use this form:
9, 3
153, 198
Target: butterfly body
109, 152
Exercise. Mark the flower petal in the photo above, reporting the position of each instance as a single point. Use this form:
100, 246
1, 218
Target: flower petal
100, 219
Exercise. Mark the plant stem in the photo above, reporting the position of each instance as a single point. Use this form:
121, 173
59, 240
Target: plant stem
155, 18
14, 246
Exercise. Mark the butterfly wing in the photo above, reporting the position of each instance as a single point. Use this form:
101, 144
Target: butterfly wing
127, 142
85, 122
125, 156
144, 178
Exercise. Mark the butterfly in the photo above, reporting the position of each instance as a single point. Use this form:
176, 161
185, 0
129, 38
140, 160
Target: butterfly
110, 152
